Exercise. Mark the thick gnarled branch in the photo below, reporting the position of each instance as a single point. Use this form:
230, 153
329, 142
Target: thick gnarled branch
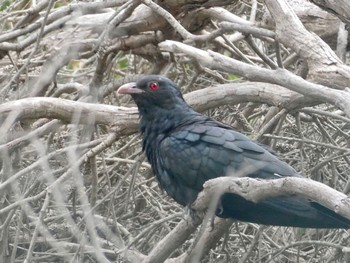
324, 65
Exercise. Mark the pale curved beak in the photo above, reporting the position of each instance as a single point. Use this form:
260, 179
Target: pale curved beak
129, 88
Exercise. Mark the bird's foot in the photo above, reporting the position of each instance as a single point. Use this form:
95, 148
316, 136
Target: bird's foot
196, 217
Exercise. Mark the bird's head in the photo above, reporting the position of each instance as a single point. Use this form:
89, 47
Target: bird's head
153, 93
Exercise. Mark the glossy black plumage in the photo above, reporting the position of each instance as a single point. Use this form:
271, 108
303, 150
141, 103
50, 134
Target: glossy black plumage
186, 149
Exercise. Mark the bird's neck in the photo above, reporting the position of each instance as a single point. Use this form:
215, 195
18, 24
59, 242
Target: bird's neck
158, 124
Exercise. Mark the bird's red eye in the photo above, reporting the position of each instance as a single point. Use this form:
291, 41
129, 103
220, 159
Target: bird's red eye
153, 85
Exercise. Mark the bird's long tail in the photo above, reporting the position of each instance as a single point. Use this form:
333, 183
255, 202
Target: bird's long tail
282, 211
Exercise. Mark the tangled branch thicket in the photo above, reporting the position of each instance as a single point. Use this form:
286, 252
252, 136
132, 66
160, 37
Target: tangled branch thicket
75, 185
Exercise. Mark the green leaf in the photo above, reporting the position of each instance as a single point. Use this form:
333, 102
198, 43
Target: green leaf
232, 76
5, 5
123, 63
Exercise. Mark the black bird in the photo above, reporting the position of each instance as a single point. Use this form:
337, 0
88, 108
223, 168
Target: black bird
186, 148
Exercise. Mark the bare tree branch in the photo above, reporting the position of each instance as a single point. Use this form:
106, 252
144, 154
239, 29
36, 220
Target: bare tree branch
322, 61
280, 76
339, 8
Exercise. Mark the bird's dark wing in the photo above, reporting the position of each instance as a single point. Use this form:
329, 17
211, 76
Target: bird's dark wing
198, 152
